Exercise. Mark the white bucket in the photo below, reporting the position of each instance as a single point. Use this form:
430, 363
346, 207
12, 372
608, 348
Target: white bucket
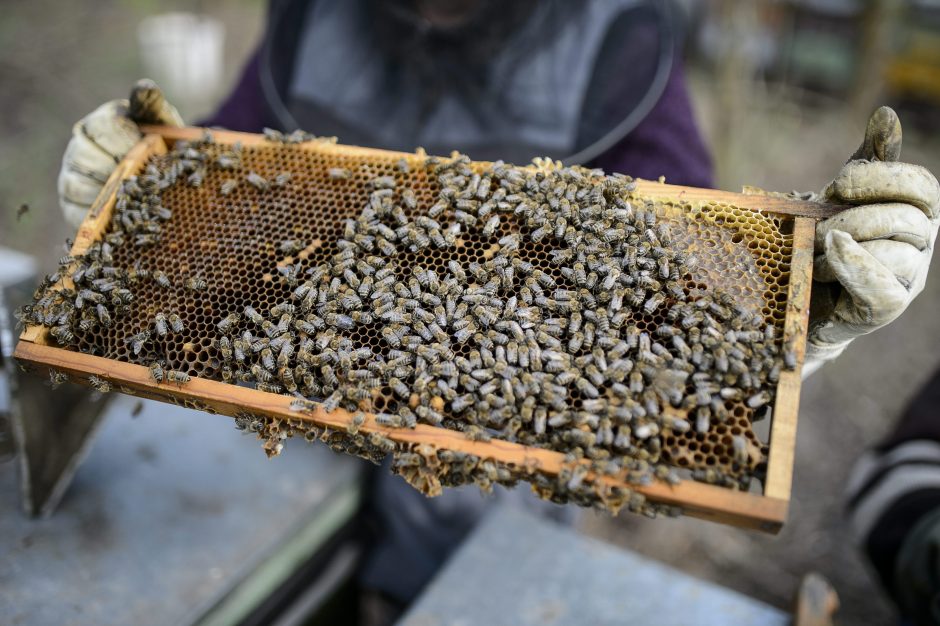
183, 53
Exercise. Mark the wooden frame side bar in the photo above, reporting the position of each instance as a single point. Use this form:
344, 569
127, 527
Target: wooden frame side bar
785, 411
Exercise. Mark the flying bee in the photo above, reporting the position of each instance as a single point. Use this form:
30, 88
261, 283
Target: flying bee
339, 173
100, 384
56, 377
281, 180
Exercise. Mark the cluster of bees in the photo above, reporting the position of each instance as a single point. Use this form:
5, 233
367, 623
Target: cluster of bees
545, 353
549, 356
89, 291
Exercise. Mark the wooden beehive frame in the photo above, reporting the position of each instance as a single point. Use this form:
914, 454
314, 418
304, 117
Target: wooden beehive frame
765, 512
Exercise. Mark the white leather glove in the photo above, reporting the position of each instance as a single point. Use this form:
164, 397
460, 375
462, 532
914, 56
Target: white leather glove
871, 259
101, 139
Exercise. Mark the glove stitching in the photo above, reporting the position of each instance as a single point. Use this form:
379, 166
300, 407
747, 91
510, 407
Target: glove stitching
99, 146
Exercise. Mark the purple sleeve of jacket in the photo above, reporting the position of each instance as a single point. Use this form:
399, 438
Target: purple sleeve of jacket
666, 143
243, 109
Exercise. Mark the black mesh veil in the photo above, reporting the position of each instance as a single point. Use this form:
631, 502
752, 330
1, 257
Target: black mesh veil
555, 78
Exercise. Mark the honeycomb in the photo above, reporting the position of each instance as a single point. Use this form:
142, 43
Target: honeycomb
232, 242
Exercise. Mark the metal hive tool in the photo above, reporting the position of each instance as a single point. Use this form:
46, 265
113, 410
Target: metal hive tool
756, 248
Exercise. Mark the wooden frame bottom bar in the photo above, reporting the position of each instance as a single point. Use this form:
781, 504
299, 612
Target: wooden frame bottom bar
700, 500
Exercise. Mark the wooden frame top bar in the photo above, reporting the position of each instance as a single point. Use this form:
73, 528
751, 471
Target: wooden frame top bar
654, 190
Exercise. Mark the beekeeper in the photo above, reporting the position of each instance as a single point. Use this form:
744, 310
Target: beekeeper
598, 83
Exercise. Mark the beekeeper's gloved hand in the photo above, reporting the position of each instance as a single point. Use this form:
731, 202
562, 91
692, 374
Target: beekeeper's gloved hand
871, 259
101, 139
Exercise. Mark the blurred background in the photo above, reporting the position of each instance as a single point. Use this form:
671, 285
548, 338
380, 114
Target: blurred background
782, 91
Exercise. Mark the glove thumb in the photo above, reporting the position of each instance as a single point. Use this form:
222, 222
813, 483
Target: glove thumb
149, 106
882, 140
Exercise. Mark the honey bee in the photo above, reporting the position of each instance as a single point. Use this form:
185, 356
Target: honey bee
157, 372
195, 283
758, 400
103, 315
56, 377
62, 334
177, 376
491, 225
227, 161
136, 342
160, 278
228, 186
225, 348
257, 181
99, 384
390, 420
740, 450
160, 324
176, 324
303, 406
358, 419
332, 402
226, 323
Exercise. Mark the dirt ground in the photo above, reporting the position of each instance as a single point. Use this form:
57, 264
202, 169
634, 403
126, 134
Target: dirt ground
779, 143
